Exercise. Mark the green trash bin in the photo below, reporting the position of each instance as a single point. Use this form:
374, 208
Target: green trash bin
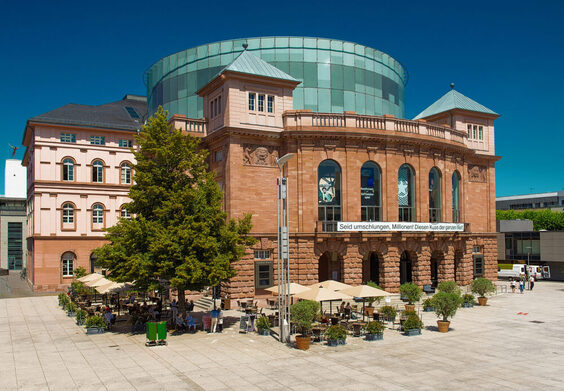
151, 332
161, 331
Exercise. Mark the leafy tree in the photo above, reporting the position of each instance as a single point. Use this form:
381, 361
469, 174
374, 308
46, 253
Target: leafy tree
544, 219
446, 304
179, 234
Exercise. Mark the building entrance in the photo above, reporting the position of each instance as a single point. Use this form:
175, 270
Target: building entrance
330, 267
371, 269
405, 268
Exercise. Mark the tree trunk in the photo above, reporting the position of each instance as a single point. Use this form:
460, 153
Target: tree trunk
181, 302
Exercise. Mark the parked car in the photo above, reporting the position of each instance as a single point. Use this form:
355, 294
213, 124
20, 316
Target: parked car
518, 271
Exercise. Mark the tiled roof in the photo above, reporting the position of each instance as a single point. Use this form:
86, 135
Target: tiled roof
250, 64
453, 100
112, 115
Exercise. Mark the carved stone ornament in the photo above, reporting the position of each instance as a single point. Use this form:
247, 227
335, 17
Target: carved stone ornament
260, 155
477, 173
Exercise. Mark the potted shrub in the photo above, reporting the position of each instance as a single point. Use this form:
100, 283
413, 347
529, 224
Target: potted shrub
428, 305
71, 309
95, 325
61, 296
482, 286
413, 325
336, 335
263, 325
446, 304
369, 309
468, 300
412, 294
374, 331
449, 287
303, 313
81, 316
389, 312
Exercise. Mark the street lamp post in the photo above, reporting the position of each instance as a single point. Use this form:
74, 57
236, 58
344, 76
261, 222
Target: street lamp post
528, 263
283, 251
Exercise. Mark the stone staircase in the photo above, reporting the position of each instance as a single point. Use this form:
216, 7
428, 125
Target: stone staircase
203, 304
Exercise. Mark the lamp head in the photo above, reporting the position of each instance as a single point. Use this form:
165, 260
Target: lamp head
281, 161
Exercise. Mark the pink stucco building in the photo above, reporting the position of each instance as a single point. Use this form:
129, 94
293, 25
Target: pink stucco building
79, 170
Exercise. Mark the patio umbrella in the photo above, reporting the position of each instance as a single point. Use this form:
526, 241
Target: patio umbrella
294, 288
98, 282
90, 277
331, 285
364, 291
322, 294
114, 287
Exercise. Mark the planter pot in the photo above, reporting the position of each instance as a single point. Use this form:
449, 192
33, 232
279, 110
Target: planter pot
412, 332
467, 305
265, 332
443, 326
369, 310
342, 341
410, 307
94, 330
375, 337
302, 342
80, 322
429, 309
332, 342
71, 314
482, 300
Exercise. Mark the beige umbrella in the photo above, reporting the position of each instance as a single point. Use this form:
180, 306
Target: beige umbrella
98, 282
294, 288
91, 277
332, 285
322, 294
364, 291
113, 287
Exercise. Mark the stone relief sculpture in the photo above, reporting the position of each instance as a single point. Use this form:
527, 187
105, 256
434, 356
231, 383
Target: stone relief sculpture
477, 173
259, 155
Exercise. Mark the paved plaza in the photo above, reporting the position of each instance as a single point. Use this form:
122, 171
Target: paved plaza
516, 342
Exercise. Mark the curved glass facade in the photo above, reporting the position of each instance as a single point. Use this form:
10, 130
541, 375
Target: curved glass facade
335, 75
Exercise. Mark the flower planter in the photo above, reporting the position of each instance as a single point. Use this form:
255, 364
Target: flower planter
412, 332
443, 326
80, 322
410, 307
375, 337
341, 341
264, 332
302, 342
332, 342
429, 309
71, 314
94, 330
467, 305
482, 300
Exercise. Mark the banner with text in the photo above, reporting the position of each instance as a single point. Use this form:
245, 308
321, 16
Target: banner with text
343, 226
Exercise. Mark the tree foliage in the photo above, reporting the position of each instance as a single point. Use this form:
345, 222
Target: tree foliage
544, 219
179, 235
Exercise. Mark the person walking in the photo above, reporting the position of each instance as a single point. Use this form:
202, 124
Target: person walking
522, 285
214, 318
513, 285
531, 283
220, 320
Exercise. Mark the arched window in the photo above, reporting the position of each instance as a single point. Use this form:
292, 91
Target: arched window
68, 170
124, 214
329, 194
456, 197
434, 195
370, 186
125, 171
68, 213
67, 266
97, 171
97, 214
406, 193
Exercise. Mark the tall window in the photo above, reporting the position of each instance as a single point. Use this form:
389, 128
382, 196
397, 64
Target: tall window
97, 214
68, 170
68, 213
434, 195
370, 192
261, 102
125, 173
15, 253
270, 104
68, 264
97, 171
406, 193
456, 197
124, 214
329, 194
125, 143
252, 96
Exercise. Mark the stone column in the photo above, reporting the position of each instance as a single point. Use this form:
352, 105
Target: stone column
490, 258
389, 280
352, 265
466, 272
422, 266
446, 266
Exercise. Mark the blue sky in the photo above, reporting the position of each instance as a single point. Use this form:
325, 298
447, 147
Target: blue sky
506, 55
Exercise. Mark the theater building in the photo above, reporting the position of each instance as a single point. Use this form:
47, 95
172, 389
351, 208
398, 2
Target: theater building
339, 108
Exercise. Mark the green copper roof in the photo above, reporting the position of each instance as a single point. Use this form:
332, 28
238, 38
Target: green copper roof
252, 65
453, 100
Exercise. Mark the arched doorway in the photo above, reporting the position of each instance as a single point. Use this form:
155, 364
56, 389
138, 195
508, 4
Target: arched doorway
437, 258
405, 268
330, 267
371, 268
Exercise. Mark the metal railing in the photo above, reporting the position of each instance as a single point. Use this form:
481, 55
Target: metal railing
406, 213
434, 215
329, 226
455, 215
370, 213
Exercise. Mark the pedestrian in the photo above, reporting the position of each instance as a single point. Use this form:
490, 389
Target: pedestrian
522, 285
531, 282
174, 308
220, 321
214, 318
513, 285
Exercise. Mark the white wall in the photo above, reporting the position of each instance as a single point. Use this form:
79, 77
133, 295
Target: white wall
15, 179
